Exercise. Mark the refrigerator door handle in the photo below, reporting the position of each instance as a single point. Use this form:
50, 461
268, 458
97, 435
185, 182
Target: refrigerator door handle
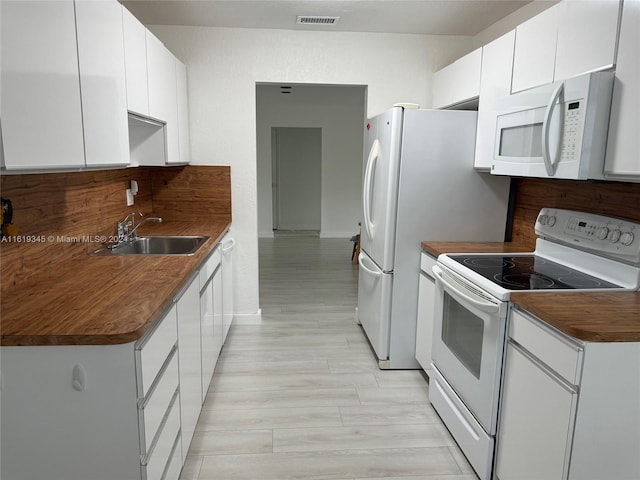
366, 197
361, 262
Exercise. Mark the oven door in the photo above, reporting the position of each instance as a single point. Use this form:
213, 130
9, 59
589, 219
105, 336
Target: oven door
468, 343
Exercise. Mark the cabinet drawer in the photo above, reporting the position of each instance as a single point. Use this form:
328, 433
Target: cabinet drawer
550, 347
161, 453
156, 406
209, 266
426, 263
154, 350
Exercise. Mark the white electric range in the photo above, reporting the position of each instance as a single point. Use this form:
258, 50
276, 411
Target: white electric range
575, 251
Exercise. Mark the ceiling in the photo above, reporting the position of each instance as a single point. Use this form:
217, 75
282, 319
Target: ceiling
437, 17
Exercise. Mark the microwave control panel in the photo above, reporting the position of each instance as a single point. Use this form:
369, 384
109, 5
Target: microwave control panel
605, 235
572, 139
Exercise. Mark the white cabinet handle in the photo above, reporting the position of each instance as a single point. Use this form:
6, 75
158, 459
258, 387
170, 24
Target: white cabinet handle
79, 378
228, 246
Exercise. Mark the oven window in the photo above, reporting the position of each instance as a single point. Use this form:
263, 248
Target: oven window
521, 141
462, 333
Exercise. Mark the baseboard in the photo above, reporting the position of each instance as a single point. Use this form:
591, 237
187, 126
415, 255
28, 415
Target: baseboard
265, 234
248, 318
345, 235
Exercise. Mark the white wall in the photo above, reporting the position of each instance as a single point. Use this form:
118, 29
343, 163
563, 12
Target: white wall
224, 66
340, 112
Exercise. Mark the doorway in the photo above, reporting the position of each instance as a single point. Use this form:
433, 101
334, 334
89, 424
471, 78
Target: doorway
296, 173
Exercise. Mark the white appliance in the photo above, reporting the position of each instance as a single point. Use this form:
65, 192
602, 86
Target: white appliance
557, 130
574, 252
419, 184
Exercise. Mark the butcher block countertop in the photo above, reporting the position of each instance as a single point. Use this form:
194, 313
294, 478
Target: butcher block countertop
101, 300
587, 316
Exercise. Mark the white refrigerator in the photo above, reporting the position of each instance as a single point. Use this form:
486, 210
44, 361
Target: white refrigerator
419, 184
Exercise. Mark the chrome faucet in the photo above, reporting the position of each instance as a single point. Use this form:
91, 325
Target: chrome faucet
126, 229
132, 234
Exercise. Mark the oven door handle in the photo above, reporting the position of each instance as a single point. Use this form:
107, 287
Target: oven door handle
462, 294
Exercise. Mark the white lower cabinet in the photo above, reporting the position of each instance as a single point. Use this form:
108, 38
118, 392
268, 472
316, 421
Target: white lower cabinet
210, 317
190, 361
424, 320
568, 409
107, 412
228, 244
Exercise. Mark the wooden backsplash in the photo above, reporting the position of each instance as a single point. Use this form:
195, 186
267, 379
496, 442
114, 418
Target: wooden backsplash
614, 199
65, 207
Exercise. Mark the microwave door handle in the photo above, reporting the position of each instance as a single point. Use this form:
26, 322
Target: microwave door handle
465, 296
366, 197
550, 165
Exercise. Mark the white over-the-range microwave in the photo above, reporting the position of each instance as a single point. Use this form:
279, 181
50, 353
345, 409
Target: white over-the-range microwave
555, 131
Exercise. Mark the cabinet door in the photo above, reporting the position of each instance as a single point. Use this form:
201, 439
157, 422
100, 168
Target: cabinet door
40, 104
102, 82
135, 56
535, 50
495, 83
209, 355
424, 321
624, 142
183, 112
189, 356
587, 36
441, 89
466, 77
218, 333
228, 245
163, 102
536, 421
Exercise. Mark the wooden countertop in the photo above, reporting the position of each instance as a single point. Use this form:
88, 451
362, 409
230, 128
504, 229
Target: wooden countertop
95, 300
437, 248
587, 316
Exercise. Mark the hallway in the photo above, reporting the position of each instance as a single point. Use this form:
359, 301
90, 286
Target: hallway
300, 395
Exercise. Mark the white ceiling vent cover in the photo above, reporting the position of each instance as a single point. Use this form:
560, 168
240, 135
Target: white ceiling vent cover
316, 20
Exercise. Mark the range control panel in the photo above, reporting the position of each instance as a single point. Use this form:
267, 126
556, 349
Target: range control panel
608, 236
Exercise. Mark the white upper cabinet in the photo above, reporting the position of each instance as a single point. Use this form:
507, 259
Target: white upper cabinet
622, 156
535, 50
587, 36
135, 55
458, 82
40, 105
163, 101
102, 82
568, 39
183, 112
495, 83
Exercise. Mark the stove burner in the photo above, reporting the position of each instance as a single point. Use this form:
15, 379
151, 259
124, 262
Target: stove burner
489, 262
529, 272
531, 281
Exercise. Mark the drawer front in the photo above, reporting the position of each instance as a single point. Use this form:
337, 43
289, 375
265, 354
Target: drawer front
426, 263
153, 352
209, 267
157, 404
552, 348
161, 453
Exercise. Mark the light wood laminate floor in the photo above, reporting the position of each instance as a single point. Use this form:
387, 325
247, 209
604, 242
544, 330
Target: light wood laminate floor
300, 396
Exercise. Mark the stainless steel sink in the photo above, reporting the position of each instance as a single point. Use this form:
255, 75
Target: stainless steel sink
157, 245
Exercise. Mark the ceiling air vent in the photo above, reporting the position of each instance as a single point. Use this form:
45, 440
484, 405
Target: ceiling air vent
317, 20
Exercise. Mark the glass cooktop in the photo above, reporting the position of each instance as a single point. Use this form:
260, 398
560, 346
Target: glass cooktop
529, 272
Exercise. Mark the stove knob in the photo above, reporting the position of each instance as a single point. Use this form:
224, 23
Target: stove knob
614, 236
551, 221
543, 219
602, 233
626, 238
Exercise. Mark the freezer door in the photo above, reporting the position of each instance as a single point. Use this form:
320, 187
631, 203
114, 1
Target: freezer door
380, 187
374, 304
